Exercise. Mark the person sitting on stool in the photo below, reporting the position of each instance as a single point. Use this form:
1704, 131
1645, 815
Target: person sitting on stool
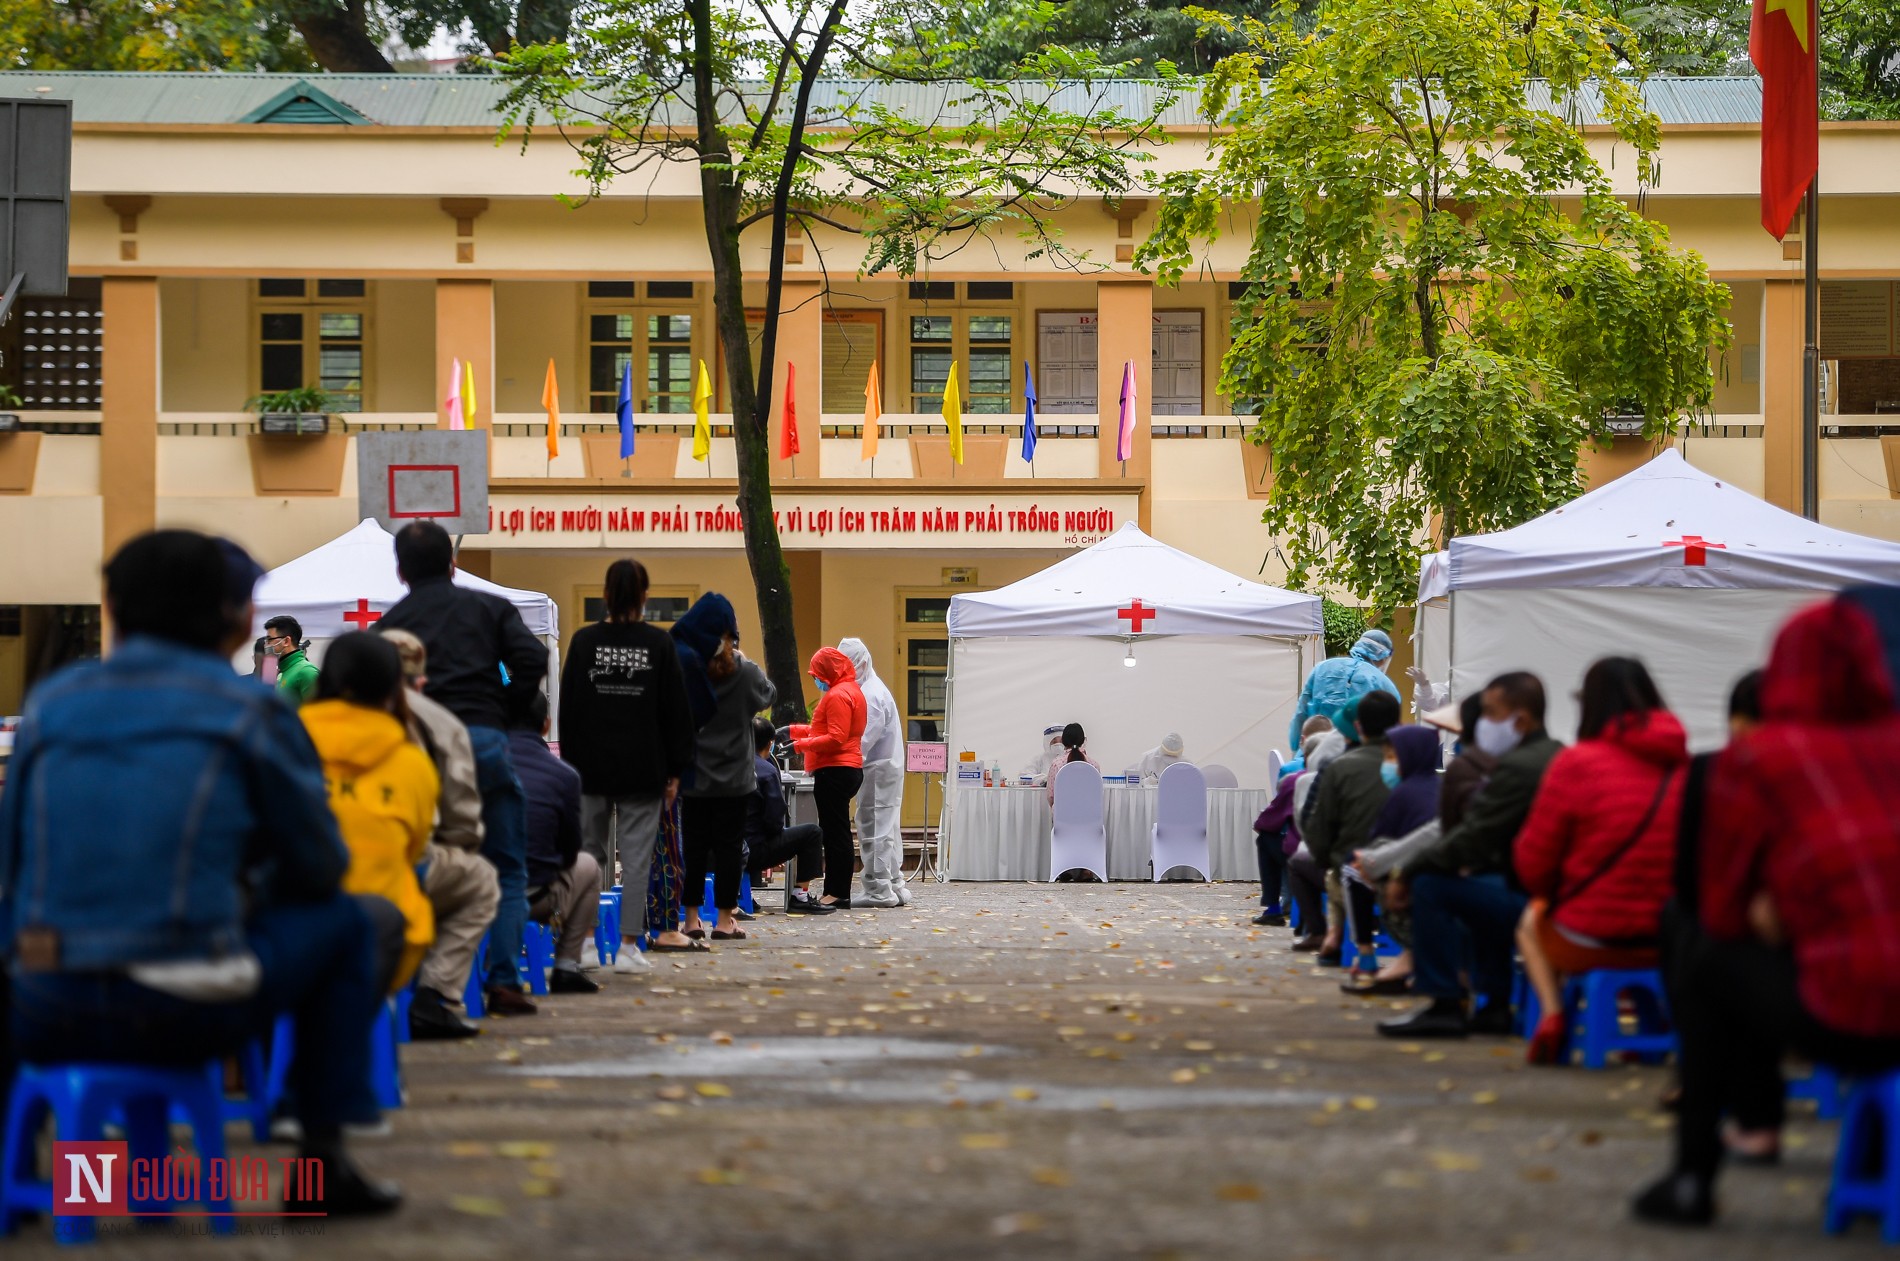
769, 842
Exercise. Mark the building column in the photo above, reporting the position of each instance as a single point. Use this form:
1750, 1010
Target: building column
128, 409
801, 330
1124, 314
1781, 346
465, 330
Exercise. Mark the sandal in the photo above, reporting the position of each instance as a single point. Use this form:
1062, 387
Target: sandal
695, 933
1374, 987
1547, 1043
690, 948
737, 934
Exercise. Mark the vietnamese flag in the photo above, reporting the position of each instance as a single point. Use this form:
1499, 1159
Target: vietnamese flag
1782, 40
788, 436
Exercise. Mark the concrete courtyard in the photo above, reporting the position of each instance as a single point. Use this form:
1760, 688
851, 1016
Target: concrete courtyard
1018, 1071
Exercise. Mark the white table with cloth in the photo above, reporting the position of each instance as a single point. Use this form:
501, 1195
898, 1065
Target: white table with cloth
1003, 833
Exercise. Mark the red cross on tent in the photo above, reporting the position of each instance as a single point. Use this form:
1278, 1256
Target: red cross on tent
363, 615
1695, 548
1136, 615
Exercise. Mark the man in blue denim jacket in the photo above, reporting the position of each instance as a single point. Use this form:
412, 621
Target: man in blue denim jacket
169, 866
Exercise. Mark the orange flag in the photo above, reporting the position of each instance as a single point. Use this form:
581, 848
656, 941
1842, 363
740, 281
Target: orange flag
873, 414
788, 436
551, 399
1781, 43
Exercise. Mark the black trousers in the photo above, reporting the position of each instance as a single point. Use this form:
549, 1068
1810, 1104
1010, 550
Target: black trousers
1737, 1014
1308, 883
833, 788
802, 841
712, 835
1272, 866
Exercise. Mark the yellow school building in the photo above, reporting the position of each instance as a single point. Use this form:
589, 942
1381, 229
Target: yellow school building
235, 234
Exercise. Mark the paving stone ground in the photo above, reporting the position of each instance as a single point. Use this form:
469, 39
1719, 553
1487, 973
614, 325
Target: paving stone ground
1010, 1071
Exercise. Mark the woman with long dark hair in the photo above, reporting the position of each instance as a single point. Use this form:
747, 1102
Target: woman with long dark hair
1597, 850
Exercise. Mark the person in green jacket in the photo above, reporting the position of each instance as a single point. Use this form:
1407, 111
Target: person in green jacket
296, 676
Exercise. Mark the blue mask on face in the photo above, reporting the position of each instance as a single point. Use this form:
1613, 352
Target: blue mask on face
1390, 774
822, 685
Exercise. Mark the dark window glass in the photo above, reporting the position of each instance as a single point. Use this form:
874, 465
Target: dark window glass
664, 610
281, 326
933, 290
282, 368
926, 692
280, 288
930, 652
341, 288
606, 365
610, 289
669, 288
931, 609
989, 290
610, 328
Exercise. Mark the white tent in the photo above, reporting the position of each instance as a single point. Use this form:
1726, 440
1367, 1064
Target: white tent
351, 580
1216, 658
1666, 564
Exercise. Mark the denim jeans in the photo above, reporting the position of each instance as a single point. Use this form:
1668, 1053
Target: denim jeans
505, 844
1455, 918
318, 965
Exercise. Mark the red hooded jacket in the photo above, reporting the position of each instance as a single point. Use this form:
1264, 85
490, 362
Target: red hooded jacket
835, 734
1594, 797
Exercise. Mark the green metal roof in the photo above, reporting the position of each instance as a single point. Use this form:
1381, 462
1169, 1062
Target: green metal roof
472, 100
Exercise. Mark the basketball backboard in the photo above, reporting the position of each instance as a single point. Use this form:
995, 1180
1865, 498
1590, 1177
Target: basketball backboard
436, 475
36, 155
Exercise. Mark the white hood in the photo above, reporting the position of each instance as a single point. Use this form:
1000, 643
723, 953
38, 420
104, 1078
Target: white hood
883, 736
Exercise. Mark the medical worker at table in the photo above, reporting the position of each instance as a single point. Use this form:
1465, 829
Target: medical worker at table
1339, 681
881, 797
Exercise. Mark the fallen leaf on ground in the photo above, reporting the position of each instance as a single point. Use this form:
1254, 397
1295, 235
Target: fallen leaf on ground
1454, 1162
539, 1189
1364, 1103
543, 1083
1024, 1093
985, 1142
1236, 1191
525, 1151
478, 1205
1048, 1176
1183, 1075
713, 1090
1015, 1224
1537, 1173
466, 1150
1485, 1096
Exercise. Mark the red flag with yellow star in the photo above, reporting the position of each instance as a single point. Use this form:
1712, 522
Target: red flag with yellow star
1782, 42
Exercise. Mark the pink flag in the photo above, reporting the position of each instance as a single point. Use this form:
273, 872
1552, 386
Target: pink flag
1125, 443
454, 401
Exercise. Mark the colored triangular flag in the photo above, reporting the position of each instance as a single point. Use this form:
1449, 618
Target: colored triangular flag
1781, 43
1125, 441
788, 435
873, 414
1029, 412
702, 415
551, 400
624, 410
953, 414
469, 411
453, 403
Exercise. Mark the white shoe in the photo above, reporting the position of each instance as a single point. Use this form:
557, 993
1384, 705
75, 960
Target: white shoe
889, 901
590, 958
632, 960
902, 891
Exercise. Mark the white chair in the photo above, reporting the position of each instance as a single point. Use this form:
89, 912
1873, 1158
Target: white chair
1276, 762
1078, 838
1221, 777
1180, 833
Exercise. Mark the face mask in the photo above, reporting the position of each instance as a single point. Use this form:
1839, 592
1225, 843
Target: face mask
1498, 736
822, 685
1390, 774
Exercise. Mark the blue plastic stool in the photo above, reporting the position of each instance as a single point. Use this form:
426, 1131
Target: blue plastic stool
81, 1098
404, 999
472, 1003
1293, 914
537, 955
1595, 1023
710, 913
1826, 1087
607, 928
1867, 1160
385, 1062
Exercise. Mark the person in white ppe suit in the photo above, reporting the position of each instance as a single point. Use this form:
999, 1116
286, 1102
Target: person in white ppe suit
881, 797
1051, 756
1160, 758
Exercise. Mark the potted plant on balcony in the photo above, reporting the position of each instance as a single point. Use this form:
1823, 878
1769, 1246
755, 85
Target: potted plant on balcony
9, 420
303, 410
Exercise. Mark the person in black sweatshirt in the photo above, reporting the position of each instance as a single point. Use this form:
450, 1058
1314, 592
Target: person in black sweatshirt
627, 727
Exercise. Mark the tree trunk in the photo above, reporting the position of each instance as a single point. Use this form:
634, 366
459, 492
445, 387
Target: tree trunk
543, 21
338, 38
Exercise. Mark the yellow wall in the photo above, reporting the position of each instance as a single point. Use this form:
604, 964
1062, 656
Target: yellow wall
536, 320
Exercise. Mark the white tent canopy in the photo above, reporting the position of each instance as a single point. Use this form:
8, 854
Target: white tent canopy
1667, 564
335, 588
1217, 658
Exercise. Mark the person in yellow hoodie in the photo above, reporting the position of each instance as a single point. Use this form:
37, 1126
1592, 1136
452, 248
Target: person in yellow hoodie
382, 786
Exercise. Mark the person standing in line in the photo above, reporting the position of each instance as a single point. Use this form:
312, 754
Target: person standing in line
461, 885
627, 727
481, 659
726, 692
881, 798
296, 673
832, 743
563, 880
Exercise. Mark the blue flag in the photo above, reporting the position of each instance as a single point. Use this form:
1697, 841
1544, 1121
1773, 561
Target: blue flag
625, 410
1029, 413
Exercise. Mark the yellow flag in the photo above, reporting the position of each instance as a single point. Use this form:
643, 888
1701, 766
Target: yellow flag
551, 399
702, 412
953, 414
873, 414
468, 392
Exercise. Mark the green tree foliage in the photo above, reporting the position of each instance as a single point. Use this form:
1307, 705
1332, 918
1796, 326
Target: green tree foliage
148, 35
997, 36
751, 96
1344, 624
1445, 298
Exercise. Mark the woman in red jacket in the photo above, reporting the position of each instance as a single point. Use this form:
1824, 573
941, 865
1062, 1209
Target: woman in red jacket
1800, 896
1597, 850
831, 743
